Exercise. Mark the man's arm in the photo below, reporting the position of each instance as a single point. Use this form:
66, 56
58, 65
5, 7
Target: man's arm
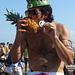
63, 47
18, 48
20, 41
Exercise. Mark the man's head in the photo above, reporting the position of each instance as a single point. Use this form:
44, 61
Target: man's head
39, 11
2, 44
10, 46
7, 43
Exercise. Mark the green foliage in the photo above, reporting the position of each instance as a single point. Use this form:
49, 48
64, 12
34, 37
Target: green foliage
12, 16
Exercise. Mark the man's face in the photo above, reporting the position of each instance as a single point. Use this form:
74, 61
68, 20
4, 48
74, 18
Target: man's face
35, 14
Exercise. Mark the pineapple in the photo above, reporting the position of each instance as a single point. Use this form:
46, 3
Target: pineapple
32, 25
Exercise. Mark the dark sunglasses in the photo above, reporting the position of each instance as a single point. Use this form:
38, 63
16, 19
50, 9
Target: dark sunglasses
33, 13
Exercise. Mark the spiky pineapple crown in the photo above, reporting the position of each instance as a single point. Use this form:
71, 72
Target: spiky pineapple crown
12, 16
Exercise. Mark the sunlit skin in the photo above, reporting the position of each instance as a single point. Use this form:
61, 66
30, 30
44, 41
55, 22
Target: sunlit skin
49, 48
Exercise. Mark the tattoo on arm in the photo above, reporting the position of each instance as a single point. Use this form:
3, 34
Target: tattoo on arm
67, 43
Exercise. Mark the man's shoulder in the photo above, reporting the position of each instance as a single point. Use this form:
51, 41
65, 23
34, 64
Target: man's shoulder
61, 29
57, 23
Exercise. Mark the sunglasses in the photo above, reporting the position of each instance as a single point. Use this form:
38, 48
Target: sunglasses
33, 13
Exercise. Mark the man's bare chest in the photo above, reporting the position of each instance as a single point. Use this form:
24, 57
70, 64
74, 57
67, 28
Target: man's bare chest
40, 43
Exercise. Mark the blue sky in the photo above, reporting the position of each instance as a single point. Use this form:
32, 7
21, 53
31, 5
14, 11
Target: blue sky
63, 11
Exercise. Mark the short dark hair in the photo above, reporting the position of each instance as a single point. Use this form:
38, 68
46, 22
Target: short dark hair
2, 43
7, 42
45, 9
10, 44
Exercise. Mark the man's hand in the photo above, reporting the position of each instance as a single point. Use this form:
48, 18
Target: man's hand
50, 29
21, 24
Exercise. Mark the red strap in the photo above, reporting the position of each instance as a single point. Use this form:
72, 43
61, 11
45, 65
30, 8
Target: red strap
42, 74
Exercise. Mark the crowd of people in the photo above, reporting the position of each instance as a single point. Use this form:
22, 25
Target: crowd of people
6, 64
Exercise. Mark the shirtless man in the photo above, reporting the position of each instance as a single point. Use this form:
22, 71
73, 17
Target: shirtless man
49, 48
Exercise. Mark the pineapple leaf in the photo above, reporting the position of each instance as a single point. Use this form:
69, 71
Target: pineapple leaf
12, 16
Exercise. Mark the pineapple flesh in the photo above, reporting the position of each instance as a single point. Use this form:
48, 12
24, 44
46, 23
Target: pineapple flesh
32, 25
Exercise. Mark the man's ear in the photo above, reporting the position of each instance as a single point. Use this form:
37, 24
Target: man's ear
46, 15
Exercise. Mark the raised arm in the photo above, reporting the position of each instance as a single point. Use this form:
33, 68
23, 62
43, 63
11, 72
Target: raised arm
61, 37
19, 43
63, 46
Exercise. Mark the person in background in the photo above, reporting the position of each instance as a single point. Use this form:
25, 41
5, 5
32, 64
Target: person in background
49, 48
8, 61
2, 56
17, 68
26, 59
14, 69
2, 51
7, 48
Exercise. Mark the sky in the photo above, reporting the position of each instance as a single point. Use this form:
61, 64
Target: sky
63, 12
